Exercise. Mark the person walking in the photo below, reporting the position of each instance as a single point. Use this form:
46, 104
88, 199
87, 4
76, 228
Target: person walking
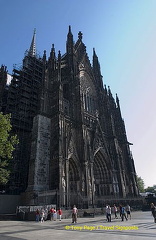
46, 214
42, 214
37, 213
128, 211
120, 209
54, 215
60, 213
74, 214
115, 211
108, 213
51, 213
153, 210
123, 214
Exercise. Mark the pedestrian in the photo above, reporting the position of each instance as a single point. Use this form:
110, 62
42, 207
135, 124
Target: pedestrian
123, 214
128, 211
108, 213
42, 215
115, 211
120, 209
74, 214
60, 213
54, 215
153, 210
51, 213
46, 214
37, 213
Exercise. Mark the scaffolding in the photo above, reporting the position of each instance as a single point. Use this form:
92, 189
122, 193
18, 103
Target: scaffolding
23, 102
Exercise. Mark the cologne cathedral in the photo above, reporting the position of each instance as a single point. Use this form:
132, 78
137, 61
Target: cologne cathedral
73, 147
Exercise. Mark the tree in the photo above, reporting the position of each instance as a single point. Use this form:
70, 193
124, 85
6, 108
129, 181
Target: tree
151, 189
8, 142
141, 185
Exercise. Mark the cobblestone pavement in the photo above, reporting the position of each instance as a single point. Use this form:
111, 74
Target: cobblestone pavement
140, 227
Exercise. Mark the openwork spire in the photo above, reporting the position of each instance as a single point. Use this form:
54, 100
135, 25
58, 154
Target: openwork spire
32, 50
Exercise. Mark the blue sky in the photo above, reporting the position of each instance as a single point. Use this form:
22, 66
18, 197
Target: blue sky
123, 32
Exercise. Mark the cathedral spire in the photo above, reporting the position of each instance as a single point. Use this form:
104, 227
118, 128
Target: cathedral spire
69, 30
52, 58
96, 64
44, 56
32, 49
69, 44
80, 35
52, 53
69, 47
118, 104
97, 70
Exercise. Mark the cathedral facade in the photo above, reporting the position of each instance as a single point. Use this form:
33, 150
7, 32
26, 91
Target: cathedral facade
73, 145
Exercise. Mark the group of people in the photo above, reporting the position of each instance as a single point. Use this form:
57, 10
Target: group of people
125, 212
44, 214
53, 214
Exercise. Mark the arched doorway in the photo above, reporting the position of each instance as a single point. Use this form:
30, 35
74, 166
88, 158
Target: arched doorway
102, 175
74, 182
73, 176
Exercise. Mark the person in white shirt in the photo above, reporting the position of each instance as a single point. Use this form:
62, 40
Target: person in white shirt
54, 215
74, 214
115, 211
108, 213
42, 215
128, 211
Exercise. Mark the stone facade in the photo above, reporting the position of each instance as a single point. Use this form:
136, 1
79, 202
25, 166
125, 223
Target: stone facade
79, 149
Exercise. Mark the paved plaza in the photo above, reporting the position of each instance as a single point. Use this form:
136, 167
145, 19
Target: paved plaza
140, 227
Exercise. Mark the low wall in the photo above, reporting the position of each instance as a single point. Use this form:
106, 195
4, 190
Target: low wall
9, 203
30, 216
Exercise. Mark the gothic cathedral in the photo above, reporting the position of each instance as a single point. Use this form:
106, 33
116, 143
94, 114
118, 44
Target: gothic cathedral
73, 145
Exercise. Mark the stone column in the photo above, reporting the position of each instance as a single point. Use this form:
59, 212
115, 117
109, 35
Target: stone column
92, 182
67, 183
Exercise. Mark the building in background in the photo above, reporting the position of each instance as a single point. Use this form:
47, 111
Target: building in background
73, 144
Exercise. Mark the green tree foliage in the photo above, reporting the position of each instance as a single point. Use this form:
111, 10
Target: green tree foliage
7, 146
141, 185
151, 189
